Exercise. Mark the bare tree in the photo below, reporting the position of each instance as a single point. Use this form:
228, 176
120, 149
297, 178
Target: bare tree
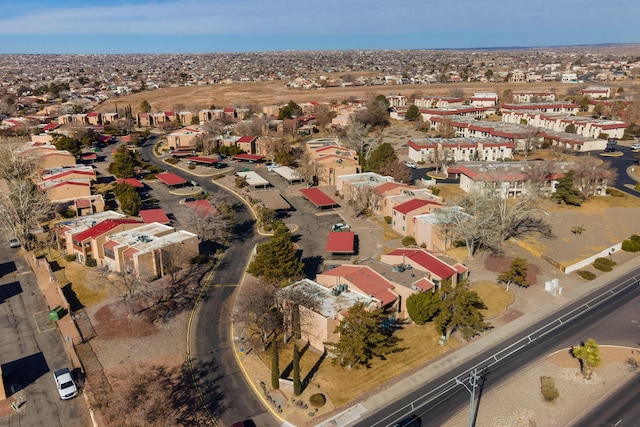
364, 199
439, 157
456, 92
210, 141
22, 207
324, 115
271, 146
446, 129
528, 142
208, 222
254, 126
539, 175
357, 137
257, 311
132, 284
289, 301
591, 175
308, 169
398, 170
15, 163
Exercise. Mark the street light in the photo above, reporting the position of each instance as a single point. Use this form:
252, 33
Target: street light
473, 382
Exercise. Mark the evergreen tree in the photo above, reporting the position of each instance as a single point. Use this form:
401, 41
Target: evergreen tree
413, 113
460, 310
423, 307
64, 142
297, 385
276, 261
379, 157
516, 274
566, 192
145, 107
362, 337
129, 199
275, 366
289, 111
123, 163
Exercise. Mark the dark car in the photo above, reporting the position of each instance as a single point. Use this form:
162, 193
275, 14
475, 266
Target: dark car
609, 150
412, 421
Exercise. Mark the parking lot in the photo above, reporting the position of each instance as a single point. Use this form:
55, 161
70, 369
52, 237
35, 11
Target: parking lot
31, 349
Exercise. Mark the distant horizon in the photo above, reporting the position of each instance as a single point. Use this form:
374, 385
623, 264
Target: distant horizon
480, 48
219, 26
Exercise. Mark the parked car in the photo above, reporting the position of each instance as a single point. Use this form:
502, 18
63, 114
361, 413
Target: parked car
65, 384
219, 165
612, 142
13, 242
272, 166
609, 150
635, 147
340, 226
410, 165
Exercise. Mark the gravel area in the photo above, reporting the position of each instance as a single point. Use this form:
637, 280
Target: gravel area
519, 402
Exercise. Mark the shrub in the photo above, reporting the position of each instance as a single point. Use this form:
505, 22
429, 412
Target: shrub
317, 400
200, 259
586, 274
172, 160
68, 213
149, 177
632, 244
613, 192
192, 166
434, 190
387, 219
549, 389
408, 241
70, 257
603, 264
638, 186
91, 262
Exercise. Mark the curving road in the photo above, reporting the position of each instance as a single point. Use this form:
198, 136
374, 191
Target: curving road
224, 389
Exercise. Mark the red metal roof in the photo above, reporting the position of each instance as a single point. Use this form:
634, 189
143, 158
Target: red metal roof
424, 284
246, 138
341, 242
89, 156
318, 197
199, 159
90, 174
169, 178
131, 181
253, 157
427, 261
51, 126
154, 215
413, 204
110, 245
367, 280
101, 228
83, 203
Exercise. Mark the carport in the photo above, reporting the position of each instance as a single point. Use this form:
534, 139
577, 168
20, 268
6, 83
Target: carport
341, 242
171, 179
154, 215
248, 158
253, 179
318, 198
288, 174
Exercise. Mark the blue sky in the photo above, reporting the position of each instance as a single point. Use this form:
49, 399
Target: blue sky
196, 26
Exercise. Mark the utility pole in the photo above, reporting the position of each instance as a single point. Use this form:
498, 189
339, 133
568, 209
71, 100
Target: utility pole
473, 382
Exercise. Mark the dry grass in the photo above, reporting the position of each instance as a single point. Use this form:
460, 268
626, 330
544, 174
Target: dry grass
495, 297
341, 385
459, 254
450, 192
88, 285
387, 231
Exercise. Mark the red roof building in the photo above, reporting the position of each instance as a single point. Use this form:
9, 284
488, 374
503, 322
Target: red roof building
361, 279
402, 215
437, 269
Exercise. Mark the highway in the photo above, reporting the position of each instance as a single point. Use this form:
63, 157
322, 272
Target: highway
211, 348
607, 322
621, 409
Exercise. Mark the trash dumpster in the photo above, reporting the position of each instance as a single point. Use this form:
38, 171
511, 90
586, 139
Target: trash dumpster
54, 314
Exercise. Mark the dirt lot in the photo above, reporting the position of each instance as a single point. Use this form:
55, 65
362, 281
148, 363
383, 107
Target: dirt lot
194, 98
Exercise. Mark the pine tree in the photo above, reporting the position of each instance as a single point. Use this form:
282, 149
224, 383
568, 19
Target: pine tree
423, 307
516, 274
362, 337
460, 310
297, 385
566, 192
275, 366
276, 261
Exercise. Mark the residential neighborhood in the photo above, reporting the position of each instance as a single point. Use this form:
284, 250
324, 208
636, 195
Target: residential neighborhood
407, 193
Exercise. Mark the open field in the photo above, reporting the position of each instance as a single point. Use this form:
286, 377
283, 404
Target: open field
194, 98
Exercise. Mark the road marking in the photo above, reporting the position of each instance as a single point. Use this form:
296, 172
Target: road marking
619, 421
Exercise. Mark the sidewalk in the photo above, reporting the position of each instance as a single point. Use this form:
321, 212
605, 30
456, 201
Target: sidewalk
465, 353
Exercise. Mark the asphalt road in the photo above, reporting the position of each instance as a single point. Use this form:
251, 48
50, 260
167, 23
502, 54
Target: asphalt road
621, 409
224, 389
609, 323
